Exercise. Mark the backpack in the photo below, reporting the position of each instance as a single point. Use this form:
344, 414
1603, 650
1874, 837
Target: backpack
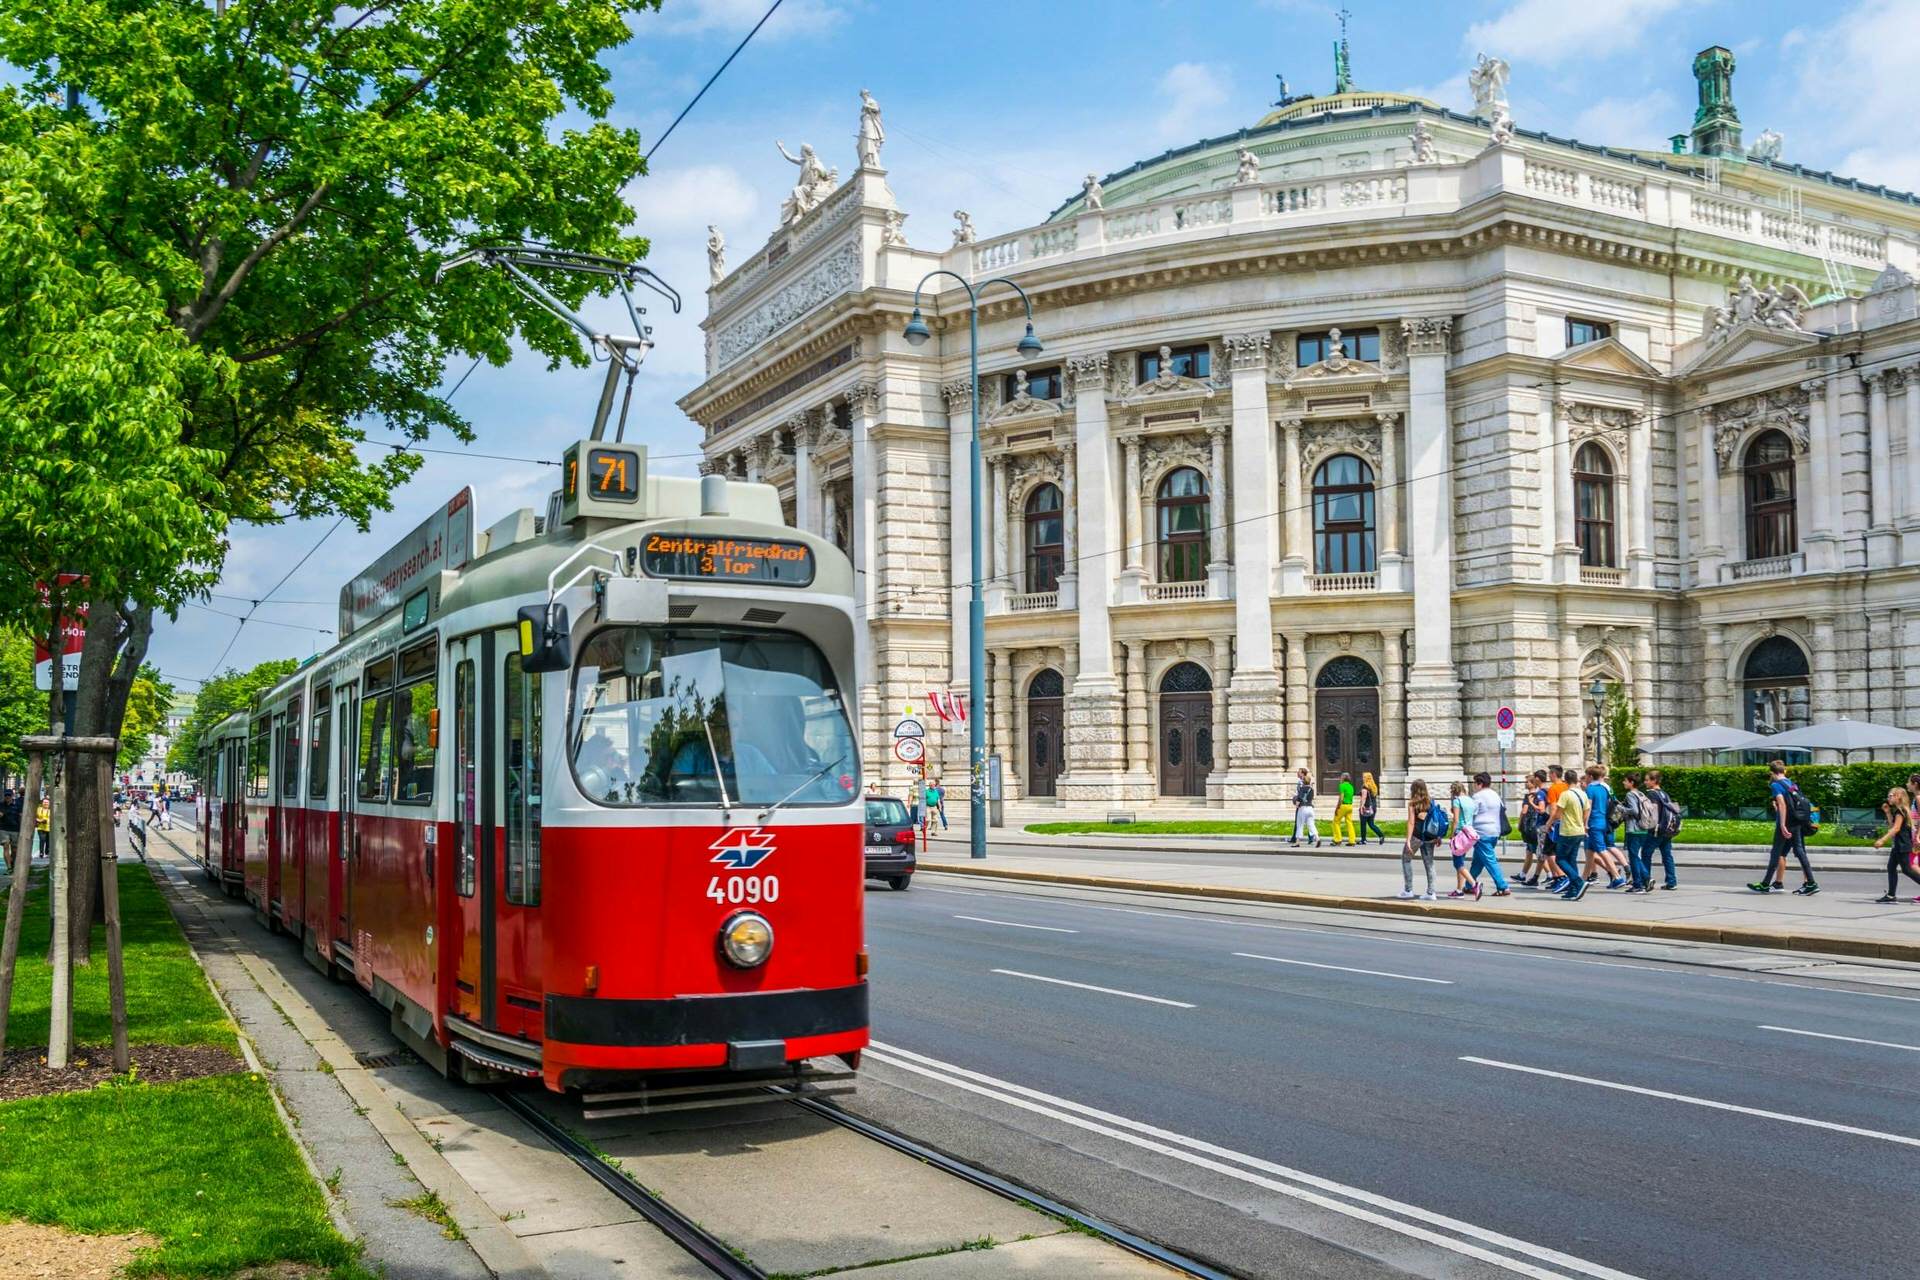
1302, 795
1434, 827
1506, 823
1800, 814
1667, 817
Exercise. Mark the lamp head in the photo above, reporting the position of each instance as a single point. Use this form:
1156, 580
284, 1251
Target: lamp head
1598, 692
1028, 344
916, 333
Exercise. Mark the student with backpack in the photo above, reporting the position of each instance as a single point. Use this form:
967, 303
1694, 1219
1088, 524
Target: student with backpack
1793, 822
1570, 818
1600, 824
1535, 819
1666, 825
1303, 812
1900, 862
1640, 816
1427, 825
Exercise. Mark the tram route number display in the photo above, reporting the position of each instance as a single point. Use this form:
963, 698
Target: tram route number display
703, 556
738, 889
610, 473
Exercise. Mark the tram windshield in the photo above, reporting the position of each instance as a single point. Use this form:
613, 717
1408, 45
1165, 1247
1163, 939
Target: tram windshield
709, 716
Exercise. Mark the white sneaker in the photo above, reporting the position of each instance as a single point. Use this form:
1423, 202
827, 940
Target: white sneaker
1406, 893
1429, 896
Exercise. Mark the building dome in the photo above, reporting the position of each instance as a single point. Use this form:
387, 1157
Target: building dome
1350, 100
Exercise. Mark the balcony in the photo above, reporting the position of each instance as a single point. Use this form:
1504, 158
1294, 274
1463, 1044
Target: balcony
1164, 592
1033, 602
1341, 583
1758, 570
1593, 575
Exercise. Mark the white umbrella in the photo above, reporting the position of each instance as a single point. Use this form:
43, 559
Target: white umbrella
1842, 735
1710, 737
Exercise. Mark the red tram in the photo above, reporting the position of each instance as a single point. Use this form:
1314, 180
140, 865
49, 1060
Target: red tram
575, 798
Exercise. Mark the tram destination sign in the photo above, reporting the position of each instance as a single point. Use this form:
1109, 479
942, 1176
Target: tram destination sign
444, 540
721, 558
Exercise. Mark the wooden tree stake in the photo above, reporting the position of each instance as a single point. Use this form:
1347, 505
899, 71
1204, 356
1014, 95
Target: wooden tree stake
110, 904
60, 1012
17, 893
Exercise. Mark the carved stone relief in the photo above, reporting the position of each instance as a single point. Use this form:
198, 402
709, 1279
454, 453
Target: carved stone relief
1322, 440
834, 275
1733, 420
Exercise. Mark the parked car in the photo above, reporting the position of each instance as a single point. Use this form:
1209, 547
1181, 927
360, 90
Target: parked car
890, 853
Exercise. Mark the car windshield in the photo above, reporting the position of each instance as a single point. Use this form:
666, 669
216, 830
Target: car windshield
709, 716
886, 812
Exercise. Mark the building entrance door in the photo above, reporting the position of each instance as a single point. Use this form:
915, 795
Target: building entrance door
1044, 722
1186, 730
1346, 723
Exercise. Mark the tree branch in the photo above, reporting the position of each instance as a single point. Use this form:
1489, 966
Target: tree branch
206, 310
318, 331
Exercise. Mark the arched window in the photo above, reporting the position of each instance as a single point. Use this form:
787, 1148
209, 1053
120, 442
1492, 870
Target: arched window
1593, 505
1774, 681
1772, 529
1182, 505
1343, 502
1186, 677
1046, 553
1346, 672
1047, 684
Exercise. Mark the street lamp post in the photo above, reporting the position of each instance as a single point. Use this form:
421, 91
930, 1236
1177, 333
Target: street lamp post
916, 333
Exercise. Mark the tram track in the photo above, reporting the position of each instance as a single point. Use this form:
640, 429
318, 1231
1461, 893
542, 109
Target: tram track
721, 1258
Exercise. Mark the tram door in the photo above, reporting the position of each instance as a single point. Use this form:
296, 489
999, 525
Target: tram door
475, 853
347, 717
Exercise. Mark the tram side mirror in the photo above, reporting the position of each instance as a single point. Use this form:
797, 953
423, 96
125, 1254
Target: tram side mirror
545, 638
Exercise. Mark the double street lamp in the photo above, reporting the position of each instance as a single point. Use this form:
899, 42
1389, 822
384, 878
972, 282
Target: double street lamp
916, 333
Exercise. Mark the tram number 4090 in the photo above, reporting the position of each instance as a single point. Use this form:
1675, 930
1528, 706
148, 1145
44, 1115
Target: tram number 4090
738, 889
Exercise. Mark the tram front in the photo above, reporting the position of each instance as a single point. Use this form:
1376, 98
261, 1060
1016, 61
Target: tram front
703, 850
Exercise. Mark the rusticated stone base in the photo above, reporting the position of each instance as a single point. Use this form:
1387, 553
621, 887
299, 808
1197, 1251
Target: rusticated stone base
1433, 725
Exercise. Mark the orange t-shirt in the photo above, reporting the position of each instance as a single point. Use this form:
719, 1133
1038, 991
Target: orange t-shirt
1555, 790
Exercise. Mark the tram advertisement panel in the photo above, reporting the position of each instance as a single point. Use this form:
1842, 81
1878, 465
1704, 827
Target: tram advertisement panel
700, 556
444, 540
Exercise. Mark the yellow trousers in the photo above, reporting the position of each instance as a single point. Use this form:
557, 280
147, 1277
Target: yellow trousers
1344, 813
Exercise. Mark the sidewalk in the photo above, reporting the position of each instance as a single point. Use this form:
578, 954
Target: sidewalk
1844, 920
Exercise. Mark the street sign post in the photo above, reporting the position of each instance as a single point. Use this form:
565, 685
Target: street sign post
1504, 722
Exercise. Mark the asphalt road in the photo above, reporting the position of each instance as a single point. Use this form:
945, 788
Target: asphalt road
1288, 1097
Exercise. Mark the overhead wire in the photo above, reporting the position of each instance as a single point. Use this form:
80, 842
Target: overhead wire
661, 140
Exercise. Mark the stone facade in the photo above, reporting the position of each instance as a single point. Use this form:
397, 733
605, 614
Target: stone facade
1557, 372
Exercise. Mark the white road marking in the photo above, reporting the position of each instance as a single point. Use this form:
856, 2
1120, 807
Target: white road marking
1014, 924
1822, 1035
1087, 986
1810, 1123
1376, 973
1365, 1206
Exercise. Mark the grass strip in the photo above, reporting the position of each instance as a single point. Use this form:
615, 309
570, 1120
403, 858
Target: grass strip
168, 1001
203, 1165
1696, 831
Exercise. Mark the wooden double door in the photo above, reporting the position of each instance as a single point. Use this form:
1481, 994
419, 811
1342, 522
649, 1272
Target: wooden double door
1186, 743
1346, 737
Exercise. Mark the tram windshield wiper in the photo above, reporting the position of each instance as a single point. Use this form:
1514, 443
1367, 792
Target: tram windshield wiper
821, 773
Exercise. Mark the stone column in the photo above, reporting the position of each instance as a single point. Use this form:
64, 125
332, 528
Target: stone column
757, 459
1002, 583
1094, 706
1819, 541
1880, 527
1713, 679
804, 492
1573, 716
1910, 479
1139, 728
1825, 693
1256, 769
1002, 721
1069, 531
1134, 576
1433, 689
1222, 756
1219, 571
1388, 498
863, 404
1566, 546
1652, 717
1297, 562
1639, 479
1393, 692
1713, 546
960, 567
1298, 710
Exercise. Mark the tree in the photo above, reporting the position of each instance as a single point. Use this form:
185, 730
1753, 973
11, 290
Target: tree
20, 704
220, 697
284, 177
1623, 729
147, 703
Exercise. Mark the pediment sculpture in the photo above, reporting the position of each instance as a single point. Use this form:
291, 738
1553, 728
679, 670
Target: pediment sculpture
1780, 307
1735, 419
811, 188
1337, 365
1022, 404
1168, 385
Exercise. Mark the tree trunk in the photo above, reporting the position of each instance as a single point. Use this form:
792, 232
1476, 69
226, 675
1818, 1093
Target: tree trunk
110, 658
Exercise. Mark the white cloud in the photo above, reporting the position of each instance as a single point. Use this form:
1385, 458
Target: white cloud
1451, 92
686, 200
1193, 94
1550, 30
736, 17
1876, 44
1643, 120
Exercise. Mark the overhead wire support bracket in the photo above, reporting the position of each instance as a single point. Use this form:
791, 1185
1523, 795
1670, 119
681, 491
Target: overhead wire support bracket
622, 352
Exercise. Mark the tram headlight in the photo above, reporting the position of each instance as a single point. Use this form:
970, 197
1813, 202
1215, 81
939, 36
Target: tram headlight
746, 939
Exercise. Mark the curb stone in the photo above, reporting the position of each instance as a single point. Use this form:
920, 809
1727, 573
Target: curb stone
1819, 943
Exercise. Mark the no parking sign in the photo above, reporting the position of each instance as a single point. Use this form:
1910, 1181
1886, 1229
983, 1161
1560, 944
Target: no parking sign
1503, 723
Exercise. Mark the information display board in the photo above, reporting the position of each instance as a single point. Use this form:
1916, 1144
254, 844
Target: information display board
727, 559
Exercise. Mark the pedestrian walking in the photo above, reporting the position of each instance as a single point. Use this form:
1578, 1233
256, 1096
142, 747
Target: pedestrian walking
1343, 813
10, 815
1640, 817
1665, 827
1370, 808
1490, 824
1303, 812
1535, 819
1792, 815
1426, 826
1900, 859
43, 830
1570, 832
936, 803
1460, 839
1600, 824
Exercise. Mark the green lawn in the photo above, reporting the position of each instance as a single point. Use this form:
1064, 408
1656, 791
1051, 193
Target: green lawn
204, 1165
1695, 831
168, 1001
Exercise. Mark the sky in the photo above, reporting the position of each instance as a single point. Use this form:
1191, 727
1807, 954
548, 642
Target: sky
1000, 108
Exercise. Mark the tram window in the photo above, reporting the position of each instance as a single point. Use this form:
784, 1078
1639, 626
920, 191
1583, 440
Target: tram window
319, 744
290, 753
523, 784
415, 727
257, 763
709, 715
375, 748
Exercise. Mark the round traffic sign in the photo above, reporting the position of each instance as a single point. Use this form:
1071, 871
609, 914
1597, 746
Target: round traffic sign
910, 750
1503, 718
909, 728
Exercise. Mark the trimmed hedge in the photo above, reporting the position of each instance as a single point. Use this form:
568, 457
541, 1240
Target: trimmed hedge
1714, 789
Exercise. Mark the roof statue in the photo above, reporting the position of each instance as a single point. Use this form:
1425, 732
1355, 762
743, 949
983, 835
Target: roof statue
872, 135
1766, 146
1423, 152
716, 254
1342, 69
1249, 169
963, 232
1092, 190
814, 184
894, 231
1779, 306
1488, 80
